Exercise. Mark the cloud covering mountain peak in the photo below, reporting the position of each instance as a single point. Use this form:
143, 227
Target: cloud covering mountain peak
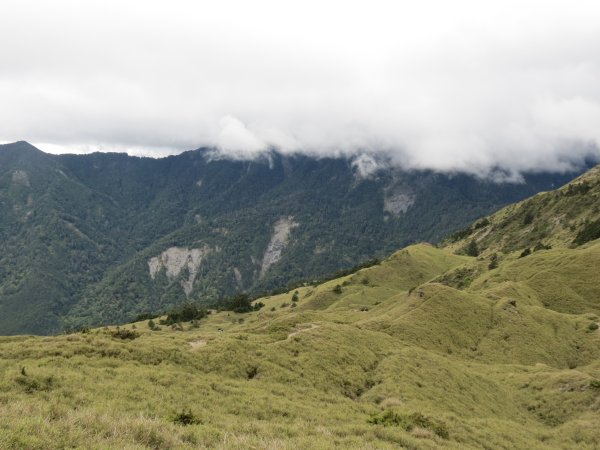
460, 86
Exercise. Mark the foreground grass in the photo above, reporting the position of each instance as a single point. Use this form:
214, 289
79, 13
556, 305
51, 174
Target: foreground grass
400, 355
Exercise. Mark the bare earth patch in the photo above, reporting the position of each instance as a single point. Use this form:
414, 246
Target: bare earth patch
279, 240
195, 345
175, 259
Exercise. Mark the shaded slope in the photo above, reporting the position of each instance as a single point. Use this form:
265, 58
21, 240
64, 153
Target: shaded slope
56, 238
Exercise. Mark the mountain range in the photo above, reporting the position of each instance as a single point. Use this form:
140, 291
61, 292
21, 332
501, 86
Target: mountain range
489, 340
88, 240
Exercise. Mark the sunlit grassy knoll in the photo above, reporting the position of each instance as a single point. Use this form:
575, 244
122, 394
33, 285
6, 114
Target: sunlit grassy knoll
565, 280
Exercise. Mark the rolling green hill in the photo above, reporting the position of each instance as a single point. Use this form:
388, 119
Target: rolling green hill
429, 349
97, 239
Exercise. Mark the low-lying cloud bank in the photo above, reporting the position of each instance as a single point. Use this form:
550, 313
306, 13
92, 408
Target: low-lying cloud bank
449, 86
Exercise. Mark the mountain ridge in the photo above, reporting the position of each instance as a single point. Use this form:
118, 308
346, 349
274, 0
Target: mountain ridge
89, 224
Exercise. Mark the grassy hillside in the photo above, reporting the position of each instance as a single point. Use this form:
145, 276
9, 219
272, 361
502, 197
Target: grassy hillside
426, 350
565, 217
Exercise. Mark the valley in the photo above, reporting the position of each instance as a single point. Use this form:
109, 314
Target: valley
88, 240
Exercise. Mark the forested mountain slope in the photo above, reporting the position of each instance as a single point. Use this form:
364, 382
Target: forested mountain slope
100, 238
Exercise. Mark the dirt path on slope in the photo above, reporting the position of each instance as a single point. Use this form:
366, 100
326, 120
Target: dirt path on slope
302, 330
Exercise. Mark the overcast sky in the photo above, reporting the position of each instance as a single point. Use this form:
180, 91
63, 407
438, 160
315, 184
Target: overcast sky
448, 85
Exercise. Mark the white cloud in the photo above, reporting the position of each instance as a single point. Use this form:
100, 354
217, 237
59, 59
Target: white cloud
366, 165
235, 139
461, 85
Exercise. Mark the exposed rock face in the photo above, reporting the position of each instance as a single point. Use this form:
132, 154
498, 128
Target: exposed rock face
174, 260
238, 276
20, 177
396, 201
319, 250
279, 240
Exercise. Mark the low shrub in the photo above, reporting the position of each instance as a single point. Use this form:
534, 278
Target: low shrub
457, 236
409, 421
251, 372
258, 305
186, 418
32, 384
459, 278
122, 333
541, 246
525, 253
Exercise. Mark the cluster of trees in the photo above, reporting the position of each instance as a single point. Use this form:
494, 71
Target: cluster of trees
189, 312
466, 232
578, 189
185, 313
589, 232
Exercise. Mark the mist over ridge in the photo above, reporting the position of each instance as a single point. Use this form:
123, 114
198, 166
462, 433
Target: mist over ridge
448, 87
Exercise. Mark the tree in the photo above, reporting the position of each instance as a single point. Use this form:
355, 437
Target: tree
528, 218
493, 262
590, 232
240, 304
472, 249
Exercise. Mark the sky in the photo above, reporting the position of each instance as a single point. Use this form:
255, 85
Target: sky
451, 86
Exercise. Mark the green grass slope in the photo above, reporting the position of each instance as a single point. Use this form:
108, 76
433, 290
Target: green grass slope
429, 349
565, 217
